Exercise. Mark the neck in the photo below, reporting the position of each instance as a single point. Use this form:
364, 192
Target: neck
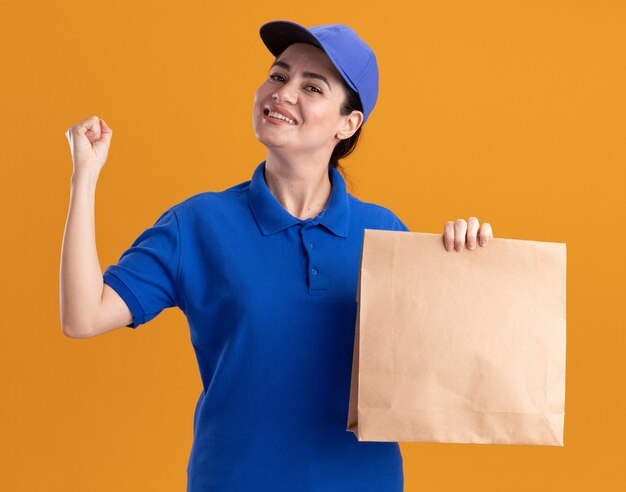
303, 188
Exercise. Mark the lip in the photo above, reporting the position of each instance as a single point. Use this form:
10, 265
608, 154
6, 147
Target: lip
284, 112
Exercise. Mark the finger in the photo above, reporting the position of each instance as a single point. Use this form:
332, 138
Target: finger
448, 235
460, 228
106, 132
105, 128
485, 233
90, 127
472, 229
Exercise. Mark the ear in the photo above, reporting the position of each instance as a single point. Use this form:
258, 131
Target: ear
351, 124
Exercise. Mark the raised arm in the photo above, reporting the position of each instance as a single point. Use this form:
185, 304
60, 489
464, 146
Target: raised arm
88, 306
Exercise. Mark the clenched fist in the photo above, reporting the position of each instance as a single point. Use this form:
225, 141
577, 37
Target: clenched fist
89, 143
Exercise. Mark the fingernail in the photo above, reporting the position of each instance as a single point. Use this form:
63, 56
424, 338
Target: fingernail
483, 242
471, 244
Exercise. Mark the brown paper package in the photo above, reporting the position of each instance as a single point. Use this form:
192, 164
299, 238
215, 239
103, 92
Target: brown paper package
459, 347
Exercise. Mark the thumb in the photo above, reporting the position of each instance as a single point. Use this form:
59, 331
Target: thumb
105, 131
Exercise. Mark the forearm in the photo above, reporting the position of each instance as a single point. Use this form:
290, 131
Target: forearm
81, 276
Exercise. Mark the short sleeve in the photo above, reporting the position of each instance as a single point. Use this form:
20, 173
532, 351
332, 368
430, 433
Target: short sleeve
146, 275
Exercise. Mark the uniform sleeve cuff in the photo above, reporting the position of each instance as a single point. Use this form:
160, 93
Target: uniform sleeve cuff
129, 298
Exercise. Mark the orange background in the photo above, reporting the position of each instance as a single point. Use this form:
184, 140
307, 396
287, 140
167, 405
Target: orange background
512, 111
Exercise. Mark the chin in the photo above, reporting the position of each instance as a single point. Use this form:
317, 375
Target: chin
273, 144
271, 139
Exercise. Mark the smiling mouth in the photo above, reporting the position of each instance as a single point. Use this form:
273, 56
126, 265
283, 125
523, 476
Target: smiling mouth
278, 116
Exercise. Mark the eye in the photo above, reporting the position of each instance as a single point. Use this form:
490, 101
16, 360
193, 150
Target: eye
280, 78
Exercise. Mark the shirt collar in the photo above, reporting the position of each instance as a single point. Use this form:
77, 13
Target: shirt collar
272, 217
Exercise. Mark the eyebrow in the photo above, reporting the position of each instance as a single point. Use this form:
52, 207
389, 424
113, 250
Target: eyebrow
312, 75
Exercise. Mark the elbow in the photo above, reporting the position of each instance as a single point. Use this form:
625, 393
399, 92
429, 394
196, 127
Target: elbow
75, 332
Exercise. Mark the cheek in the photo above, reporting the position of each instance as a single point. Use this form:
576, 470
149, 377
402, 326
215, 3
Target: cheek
259, 98
264, 89
323, 116
259, 92
263, 94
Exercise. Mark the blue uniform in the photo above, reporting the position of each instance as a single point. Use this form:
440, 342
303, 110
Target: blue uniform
271, 304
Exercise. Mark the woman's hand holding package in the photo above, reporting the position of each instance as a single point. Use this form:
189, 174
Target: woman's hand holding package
457, 234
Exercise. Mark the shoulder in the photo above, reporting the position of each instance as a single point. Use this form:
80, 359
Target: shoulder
201, 199
214, 202
375, 216
370, 208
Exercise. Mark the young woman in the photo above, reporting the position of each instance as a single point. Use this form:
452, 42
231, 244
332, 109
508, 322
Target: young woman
265, 272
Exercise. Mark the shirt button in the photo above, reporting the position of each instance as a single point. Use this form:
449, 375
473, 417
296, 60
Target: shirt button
311, 245
313, 271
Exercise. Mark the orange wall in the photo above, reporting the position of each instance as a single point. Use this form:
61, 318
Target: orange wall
513, 111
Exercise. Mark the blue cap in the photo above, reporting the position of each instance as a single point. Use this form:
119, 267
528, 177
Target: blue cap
353, 58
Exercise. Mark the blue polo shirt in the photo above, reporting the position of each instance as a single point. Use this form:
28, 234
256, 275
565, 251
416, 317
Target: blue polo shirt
270, 300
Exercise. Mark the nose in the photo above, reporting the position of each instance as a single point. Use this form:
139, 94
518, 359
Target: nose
287, 93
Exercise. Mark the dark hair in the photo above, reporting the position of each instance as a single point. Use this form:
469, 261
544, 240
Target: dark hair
346, 146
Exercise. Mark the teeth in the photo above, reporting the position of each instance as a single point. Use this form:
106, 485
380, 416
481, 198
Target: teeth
281, 117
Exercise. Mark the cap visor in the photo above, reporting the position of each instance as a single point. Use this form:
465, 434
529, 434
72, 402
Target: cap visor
278, 35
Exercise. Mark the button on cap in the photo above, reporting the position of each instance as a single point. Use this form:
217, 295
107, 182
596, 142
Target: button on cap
313, 271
